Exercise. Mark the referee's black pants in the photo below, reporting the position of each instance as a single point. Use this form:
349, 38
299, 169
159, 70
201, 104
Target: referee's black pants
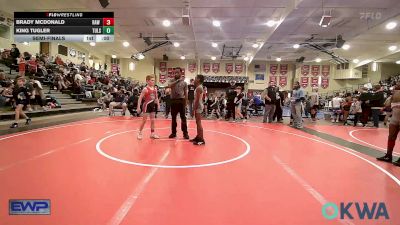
178, 106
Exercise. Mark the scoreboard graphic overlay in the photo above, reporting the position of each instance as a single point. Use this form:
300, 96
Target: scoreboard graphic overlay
64, 26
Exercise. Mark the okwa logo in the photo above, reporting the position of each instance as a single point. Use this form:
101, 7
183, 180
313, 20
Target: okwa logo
376, 210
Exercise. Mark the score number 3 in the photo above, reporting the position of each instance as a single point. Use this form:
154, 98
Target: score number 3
108, 21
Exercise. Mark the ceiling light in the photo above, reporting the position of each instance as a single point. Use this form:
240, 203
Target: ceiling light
216, 23
255, 45
374, 67
393, 47
391, 25
140, 56
356, 60
92, 44
278, 59
270, 23
113, 56
214, 44
346, 47
398, 62
246, 58
125, 44
296, 46
183, 57
325, 20
213, 58
166, 23
176, 44
317, 60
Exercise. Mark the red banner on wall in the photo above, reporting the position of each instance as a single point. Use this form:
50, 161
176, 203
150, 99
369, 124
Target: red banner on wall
282, 81
273, 68
192, 67
170, 72
163, 77
183, 72
163, 66
304, 82
273, 79
229, 67
215, 67
239, 68
325, 82
206, 67
305, 70
314, 81
315, 70
325, 70
283, 68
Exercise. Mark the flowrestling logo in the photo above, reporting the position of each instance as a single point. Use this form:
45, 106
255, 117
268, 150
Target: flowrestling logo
29, 207
351, 210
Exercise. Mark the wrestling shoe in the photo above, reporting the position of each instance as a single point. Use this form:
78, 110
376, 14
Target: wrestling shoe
385, 158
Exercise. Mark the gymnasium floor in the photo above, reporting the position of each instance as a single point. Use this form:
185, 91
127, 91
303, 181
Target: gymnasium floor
95, 172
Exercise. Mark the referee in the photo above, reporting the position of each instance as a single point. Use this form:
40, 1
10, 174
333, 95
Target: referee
179, 99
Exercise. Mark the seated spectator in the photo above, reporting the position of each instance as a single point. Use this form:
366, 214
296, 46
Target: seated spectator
58, 61
7, 94
119, 101
132, 103
32, 66
3, 80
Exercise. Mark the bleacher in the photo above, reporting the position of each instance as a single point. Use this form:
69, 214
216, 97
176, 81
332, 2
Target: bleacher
69, 103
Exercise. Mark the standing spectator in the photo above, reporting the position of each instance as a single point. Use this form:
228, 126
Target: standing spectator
336, 107
296, 105
191, 89
15, 53
21, 98
346, 105
280, 98
365, 98
230, 105
356, 110
21, 65
314, 102
238, 103
269, 96
179, 98
377, 101
167, 100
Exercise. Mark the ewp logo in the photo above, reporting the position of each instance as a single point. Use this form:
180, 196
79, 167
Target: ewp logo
29, 207
376, 211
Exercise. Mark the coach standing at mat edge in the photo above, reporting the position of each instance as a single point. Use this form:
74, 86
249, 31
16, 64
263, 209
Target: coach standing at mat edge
179, 100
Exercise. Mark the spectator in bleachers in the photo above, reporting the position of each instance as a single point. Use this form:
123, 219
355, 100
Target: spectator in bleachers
7, 94
38, 93
3, 80
58, 61
132, 103
119, 101
14, 53
21, 65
